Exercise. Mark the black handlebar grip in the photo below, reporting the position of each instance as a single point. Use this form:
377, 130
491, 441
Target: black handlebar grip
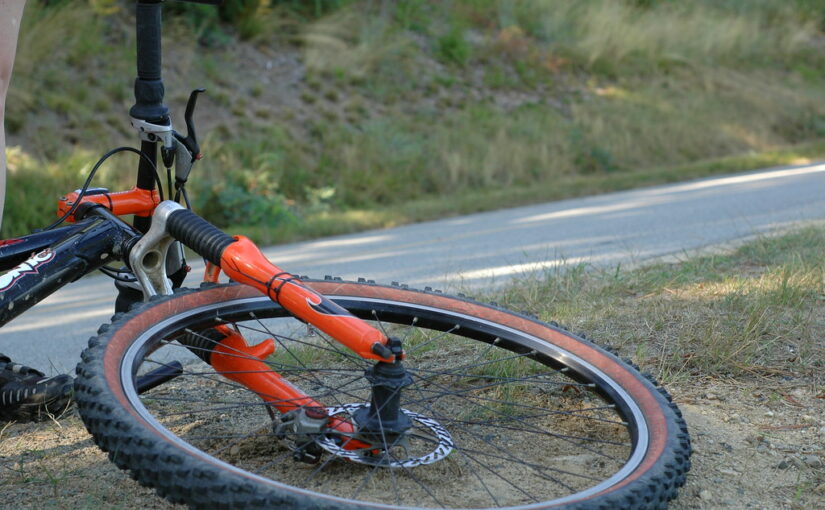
197, 233
148, 39
149, 85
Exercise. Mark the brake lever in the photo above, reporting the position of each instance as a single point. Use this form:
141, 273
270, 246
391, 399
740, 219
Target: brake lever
191, 141
188, 150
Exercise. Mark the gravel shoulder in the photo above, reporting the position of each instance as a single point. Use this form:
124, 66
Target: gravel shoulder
755, 446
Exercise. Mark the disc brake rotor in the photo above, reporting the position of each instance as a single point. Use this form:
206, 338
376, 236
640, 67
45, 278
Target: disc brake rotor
438, 436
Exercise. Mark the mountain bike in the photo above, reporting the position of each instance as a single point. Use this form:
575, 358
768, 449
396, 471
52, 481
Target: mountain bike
275, 390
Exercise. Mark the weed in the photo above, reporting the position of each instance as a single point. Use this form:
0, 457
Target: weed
330, 115
314, 84
453, 47
308, 98
256, 90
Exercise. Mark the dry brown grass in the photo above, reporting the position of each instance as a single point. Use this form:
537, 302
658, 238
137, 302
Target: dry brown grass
757, 310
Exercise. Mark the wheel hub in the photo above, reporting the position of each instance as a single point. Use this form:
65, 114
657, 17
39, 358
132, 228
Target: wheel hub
382, 422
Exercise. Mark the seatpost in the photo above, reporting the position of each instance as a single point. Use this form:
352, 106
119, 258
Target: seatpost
149, 115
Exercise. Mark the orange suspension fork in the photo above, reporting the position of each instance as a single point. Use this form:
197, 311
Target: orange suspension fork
243, 262
234, 359
242, 363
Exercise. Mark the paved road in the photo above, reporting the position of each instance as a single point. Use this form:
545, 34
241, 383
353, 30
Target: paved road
487, 248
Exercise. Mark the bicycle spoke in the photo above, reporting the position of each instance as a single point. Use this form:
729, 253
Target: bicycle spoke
510, 458
217, 378
544, 411
538, 429
504, 409
352, 357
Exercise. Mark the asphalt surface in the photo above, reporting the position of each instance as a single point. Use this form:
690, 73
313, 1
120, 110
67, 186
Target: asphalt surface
485, 249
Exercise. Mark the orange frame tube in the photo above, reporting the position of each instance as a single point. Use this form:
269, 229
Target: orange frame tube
135, 201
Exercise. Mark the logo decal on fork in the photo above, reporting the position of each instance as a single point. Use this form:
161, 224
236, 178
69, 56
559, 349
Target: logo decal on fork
322, 307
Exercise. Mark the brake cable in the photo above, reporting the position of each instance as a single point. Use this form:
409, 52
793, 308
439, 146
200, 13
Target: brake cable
100, 162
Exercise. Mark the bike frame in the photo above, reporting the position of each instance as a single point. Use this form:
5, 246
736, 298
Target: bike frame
41, 263
68, 253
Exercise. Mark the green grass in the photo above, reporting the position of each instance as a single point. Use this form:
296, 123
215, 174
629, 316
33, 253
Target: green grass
610, 35
756, 310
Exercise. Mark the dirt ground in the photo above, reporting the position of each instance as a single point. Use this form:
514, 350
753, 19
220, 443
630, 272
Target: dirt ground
755, 446
758, 445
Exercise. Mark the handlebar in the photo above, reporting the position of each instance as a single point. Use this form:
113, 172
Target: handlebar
198, 234
149, 89
148, 18
149, 84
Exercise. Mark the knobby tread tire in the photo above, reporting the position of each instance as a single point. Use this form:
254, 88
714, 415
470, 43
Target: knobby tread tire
181, 477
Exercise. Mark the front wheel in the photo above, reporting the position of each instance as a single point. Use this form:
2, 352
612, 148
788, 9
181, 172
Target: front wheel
505, 410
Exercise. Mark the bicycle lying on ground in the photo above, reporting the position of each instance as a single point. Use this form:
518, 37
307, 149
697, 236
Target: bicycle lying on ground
281, 391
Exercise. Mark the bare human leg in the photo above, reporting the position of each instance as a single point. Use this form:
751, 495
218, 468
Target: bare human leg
26, 394
11, 13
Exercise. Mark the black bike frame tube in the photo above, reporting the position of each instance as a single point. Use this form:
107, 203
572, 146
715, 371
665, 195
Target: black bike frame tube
15, 251
146, 179
80, 251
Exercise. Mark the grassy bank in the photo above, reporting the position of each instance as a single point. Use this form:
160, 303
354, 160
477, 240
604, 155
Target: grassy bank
366, 114
756, 311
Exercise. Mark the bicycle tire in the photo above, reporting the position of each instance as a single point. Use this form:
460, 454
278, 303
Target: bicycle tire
643, 471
